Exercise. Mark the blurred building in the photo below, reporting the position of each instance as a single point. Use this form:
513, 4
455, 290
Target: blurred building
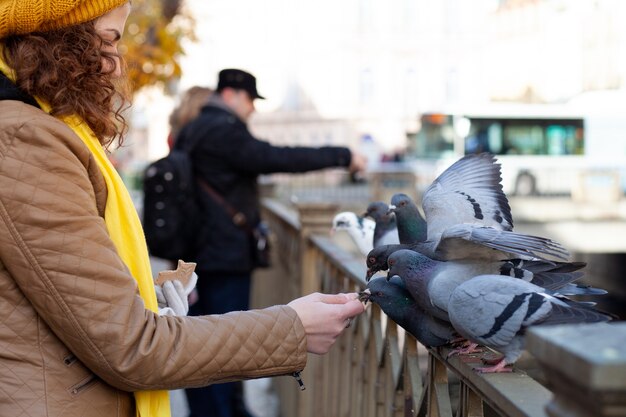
336, 71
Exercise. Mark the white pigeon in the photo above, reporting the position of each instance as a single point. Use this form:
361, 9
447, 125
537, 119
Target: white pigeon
495, 311
360, 229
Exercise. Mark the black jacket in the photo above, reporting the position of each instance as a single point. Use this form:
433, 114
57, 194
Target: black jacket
230, 159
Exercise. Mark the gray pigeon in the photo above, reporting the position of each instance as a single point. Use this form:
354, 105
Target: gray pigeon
397, 303
495, 311
386, 231
468, 217
431, 282
360, 230
412, 227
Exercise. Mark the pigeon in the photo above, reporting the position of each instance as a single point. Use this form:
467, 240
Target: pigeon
430, 282
412, 227
386, 231
398, 305
468, 217
360, 229
495, 311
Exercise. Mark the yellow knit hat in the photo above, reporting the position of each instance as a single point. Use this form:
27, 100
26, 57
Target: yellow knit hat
18, 17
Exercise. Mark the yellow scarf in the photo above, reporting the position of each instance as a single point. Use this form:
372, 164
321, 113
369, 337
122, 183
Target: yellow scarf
127, 235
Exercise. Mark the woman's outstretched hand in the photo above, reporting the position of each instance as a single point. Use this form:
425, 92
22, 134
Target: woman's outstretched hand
325, 316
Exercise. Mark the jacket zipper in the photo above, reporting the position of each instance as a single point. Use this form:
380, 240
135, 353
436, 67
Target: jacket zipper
69, 359
299, 380
82, 385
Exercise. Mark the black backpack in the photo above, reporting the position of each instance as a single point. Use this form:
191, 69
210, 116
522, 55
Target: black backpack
170, 206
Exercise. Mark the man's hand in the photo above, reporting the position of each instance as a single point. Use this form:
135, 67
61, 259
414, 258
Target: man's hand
358, 163
325, 316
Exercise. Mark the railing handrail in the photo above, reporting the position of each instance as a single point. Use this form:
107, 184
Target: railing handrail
379, 363
506, 393
352, 267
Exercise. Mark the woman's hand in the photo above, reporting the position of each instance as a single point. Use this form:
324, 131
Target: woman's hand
325, 316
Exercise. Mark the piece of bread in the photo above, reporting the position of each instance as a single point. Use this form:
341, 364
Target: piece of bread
182, 273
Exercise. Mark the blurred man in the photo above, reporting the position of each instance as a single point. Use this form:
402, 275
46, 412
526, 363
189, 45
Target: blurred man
228, 160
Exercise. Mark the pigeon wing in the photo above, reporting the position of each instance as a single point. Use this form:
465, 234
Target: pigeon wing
492, 310
465, 241
566, 311
469, 191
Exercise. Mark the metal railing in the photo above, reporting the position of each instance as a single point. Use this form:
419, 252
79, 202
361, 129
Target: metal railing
375, 369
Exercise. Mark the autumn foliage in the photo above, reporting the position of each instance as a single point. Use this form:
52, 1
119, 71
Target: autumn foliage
152, 43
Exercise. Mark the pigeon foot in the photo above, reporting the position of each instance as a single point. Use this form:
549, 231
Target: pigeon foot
470, 348
470, 359
459, 341
499, 367
494, 360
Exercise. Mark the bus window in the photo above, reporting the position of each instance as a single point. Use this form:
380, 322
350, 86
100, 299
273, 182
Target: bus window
435, 139
498, 135
523, 140
495, 138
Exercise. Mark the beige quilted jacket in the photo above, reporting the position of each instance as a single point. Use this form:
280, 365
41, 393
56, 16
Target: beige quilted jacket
75, 338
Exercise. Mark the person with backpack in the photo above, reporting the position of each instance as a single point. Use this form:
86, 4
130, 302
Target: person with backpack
81, 332
227, 161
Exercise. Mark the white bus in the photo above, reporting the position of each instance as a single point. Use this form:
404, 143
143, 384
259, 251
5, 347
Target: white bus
544, 149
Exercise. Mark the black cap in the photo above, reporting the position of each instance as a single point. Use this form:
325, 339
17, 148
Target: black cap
238, 80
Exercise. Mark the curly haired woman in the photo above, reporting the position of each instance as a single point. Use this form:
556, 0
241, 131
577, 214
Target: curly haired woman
79, 329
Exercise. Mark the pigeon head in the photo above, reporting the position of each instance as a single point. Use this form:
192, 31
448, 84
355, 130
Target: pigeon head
389, 295
378, 211
377, 259
412, 227
345, 220
399, 201
406, 262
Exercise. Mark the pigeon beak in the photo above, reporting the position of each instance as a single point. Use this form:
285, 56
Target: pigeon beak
332, 231
364, 296
369, 274
365, 214
391, 209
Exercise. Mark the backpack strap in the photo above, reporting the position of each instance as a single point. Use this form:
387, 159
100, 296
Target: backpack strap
238, 218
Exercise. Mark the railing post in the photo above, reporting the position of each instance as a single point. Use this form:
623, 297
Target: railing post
585, 366
384, 184
314, 218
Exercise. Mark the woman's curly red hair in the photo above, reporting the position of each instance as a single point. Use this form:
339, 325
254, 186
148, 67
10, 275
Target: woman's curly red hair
65, 68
